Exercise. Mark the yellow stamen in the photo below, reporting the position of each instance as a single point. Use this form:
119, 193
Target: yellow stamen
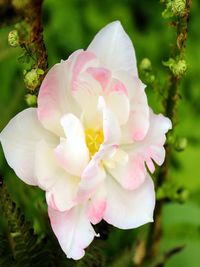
94, 138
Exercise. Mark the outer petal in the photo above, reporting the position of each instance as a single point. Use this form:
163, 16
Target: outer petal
60, 187
97, 205
73, 230
20, 139
129, 209
132, 174
151, 147
114, 48
72, 153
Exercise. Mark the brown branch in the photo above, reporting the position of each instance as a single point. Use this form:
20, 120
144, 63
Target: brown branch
33, 17
170, 105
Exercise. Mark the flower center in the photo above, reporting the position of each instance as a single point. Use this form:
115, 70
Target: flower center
94, 138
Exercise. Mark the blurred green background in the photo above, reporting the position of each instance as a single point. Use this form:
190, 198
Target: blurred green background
70, 25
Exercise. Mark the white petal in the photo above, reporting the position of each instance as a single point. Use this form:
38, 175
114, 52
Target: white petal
119, 104
72, 153
129, 209
111, 126
20, 139
97, 205
73, 231
62, 195
86, 94
92, 176
60, 187
138, 123
114, 48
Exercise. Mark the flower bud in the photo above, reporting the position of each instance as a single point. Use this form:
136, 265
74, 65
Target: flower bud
181, 144
13, 38
31, 79
31, 100
178, 67
178, 7
145, 64
20, 4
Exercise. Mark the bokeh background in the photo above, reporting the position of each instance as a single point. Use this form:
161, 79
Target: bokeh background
70, 25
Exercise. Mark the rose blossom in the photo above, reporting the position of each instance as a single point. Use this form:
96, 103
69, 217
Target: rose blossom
88, 141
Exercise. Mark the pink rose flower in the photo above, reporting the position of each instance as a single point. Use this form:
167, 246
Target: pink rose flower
88, 142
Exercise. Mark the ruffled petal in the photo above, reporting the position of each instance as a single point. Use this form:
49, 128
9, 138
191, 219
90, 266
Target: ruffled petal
72, 152
151, 147
114, 48
132, 174
20, 139
55, 96
129, 209
73, 230
61, 188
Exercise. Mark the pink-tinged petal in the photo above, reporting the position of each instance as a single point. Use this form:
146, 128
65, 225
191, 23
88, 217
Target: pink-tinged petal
129, 209
97, 205
20, 139
114, 92
114, 48
132, 174
73, 230
72, 153
92, 176
102, 75
83, 61
151, 147
55, 95
61, 188
111, 126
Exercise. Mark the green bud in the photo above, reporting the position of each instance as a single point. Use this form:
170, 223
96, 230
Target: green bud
180, 144
31, 79
20, 4
178, 67
167, 13
178, 7
145, 64
13, 38
183, 195
170, 139
31, 100
40, 72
